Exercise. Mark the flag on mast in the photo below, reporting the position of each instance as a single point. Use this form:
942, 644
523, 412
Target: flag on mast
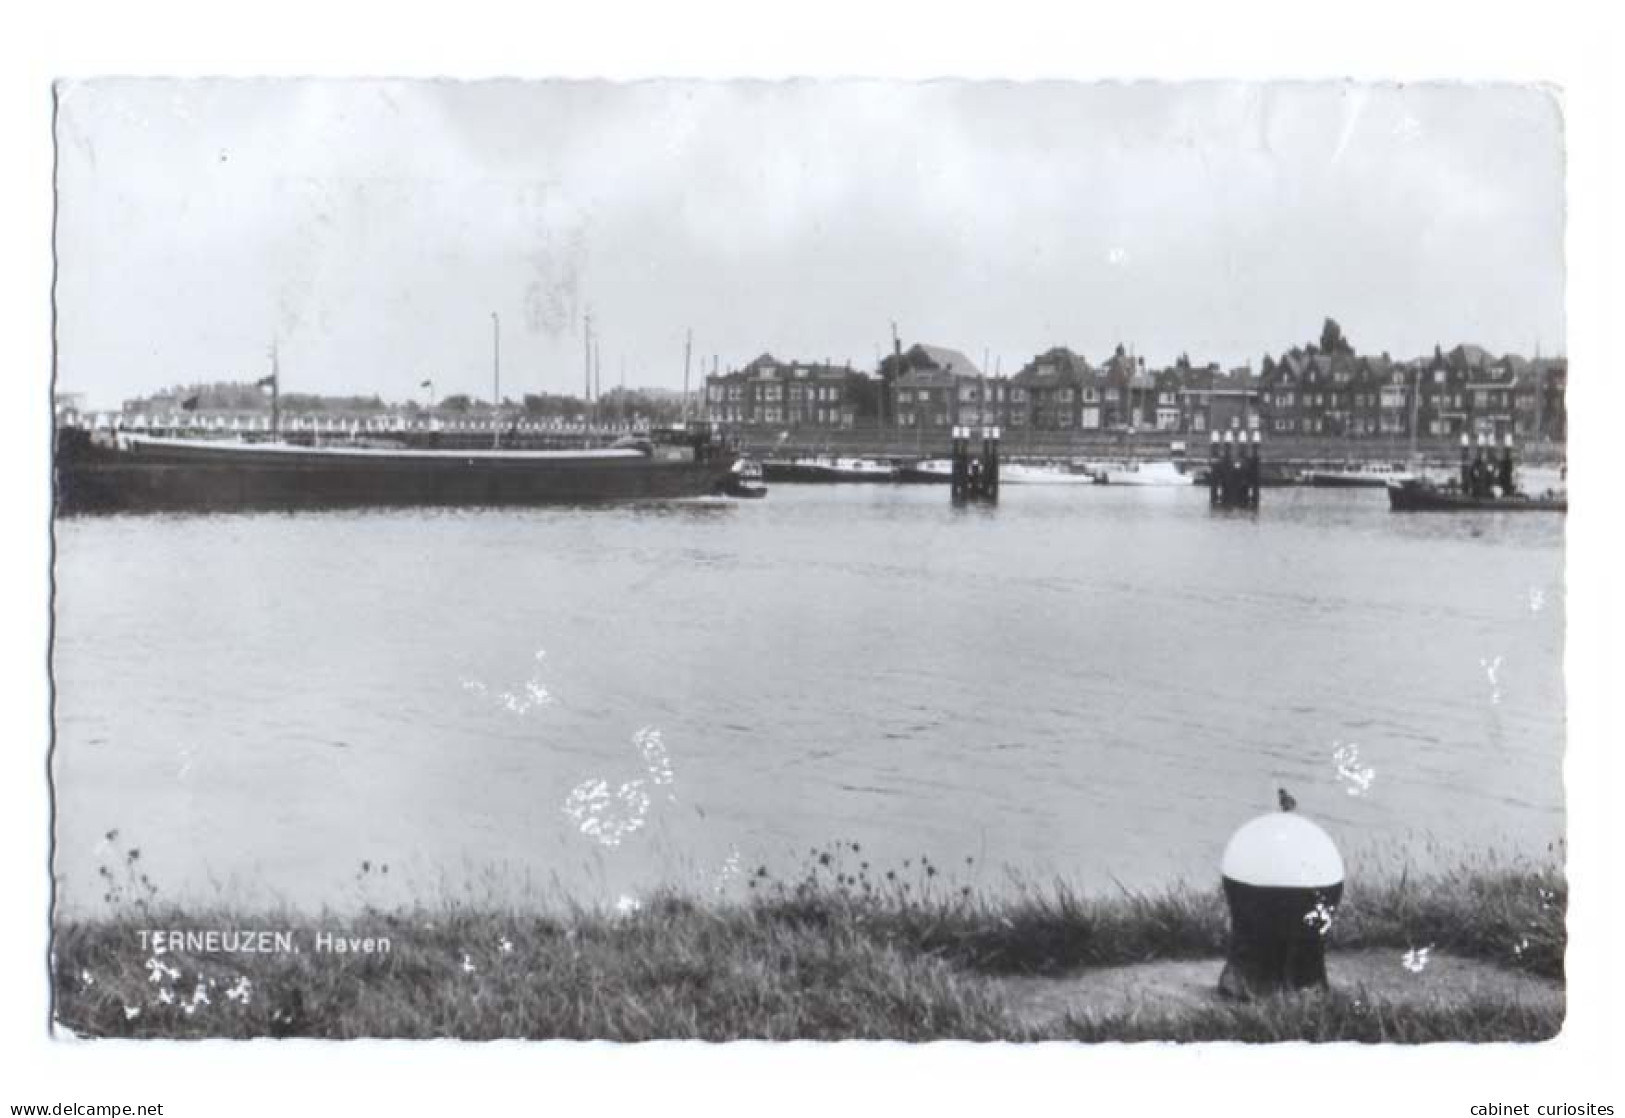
271, 380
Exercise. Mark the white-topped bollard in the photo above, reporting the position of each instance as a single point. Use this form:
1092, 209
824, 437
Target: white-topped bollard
1283, 880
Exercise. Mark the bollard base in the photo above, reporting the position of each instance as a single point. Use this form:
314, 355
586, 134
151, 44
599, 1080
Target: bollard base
1277, 938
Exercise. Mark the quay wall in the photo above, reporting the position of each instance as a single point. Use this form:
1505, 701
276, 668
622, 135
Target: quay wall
1018, 444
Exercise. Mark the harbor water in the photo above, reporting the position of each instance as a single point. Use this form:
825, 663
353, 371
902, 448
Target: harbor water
547, 706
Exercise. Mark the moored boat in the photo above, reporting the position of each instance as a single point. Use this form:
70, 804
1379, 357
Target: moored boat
116, 471
828, 468
927, 471
1270, 476
1039, 473
1423, 496
1357, 475
1160, 473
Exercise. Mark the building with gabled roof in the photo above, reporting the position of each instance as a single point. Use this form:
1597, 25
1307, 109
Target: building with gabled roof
794, 394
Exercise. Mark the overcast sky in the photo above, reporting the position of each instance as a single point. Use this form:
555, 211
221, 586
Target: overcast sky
371, 228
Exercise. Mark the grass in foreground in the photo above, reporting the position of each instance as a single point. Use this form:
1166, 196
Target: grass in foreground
835, 955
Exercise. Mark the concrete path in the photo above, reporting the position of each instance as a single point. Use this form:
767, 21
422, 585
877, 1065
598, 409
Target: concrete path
1168, 987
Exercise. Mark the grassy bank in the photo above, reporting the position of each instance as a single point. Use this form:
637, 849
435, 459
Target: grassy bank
839, 953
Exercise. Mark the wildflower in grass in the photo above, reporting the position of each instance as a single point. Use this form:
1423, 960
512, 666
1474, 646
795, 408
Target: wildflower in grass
729, 872
655, 757
1320, 917
1416, 959
200, 994
608, 817
1356, 779
86, 978
131, 1012
241, 990
165, 996
505, 946
468, 964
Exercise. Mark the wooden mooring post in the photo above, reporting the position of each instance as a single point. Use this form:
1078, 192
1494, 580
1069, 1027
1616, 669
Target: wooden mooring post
1234, 470
975, 477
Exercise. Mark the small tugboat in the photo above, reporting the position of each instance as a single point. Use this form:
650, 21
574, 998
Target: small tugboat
1484, 484
745, 480
1417, 495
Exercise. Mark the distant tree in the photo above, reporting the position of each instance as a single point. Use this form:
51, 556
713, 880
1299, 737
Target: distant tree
1332, 339
866, 395
459, 403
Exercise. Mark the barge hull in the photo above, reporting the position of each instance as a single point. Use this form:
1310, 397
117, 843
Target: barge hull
167, 478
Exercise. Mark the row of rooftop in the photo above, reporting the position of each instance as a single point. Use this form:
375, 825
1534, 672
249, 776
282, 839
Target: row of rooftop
1306, 391
1324, 389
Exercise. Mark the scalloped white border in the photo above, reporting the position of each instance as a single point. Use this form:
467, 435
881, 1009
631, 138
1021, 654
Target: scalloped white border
1382, 39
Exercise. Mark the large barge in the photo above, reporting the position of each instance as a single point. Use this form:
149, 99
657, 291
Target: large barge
102, 471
